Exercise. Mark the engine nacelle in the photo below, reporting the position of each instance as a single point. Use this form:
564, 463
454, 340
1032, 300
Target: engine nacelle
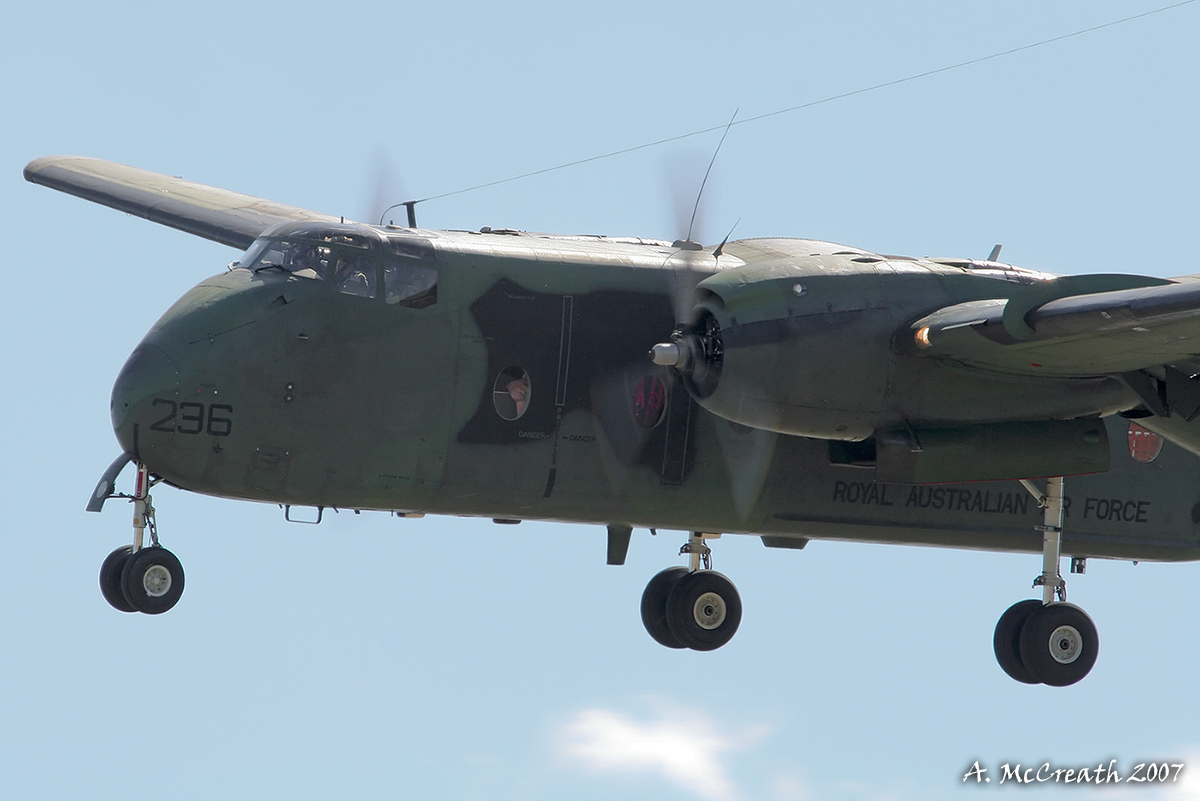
781, 348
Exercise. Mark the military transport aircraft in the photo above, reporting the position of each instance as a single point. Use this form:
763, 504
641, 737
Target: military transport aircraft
790, 389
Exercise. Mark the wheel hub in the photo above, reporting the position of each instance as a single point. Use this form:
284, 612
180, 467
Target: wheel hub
156, 581
709, 611
1066, 643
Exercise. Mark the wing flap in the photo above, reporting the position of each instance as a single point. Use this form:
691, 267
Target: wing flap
223, 216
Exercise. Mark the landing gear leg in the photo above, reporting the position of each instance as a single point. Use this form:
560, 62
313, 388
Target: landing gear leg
142, 578
694, 607
1051, 642
1051, 580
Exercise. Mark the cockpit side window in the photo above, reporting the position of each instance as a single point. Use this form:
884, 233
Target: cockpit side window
409, 283
410, 275
355, 274
307, 261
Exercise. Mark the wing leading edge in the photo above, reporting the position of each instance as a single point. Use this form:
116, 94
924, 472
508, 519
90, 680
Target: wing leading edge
223, 216
1086, 325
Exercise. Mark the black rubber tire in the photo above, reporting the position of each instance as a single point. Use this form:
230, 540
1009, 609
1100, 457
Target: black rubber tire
1006, 642
110, 579
139, 589
654, 606
1057, 632
686, 605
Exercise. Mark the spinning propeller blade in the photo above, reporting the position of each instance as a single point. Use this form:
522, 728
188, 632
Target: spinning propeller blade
387, 187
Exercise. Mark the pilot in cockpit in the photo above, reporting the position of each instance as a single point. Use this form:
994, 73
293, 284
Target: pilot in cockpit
355, 276
305, 258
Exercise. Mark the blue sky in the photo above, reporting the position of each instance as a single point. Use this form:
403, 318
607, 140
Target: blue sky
377, 658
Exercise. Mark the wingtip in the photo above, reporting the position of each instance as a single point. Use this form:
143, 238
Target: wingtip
34, 167
38, 165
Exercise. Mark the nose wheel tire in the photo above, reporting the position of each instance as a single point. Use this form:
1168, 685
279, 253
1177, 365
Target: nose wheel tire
152, 580
654, 606
1059, 644
704, 610
110, 579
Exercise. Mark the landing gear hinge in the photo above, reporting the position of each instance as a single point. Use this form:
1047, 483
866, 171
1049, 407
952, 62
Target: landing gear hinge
143, 509
699, 554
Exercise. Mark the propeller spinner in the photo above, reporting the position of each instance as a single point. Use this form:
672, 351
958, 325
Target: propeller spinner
696, 352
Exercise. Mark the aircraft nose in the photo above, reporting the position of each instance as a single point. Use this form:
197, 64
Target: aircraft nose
148, 379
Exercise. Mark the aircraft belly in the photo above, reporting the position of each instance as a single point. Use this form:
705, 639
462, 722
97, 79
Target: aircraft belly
1137, 510
778, 486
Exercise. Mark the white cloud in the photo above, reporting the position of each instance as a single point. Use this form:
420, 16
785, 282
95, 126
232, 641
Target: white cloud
789, 788
1187, 788
682, 746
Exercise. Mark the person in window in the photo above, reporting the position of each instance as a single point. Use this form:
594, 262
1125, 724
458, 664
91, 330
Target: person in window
355, 276
305, 257
518, 390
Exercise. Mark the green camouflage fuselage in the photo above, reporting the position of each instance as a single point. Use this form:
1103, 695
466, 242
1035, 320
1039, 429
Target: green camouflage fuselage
271, 386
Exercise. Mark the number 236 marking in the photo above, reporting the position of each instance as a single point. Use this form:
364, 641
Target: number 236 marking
191, 418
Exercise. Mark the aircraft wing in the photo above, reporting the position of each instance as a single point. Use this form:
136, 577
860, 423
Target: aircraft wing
220, 215
1060, 328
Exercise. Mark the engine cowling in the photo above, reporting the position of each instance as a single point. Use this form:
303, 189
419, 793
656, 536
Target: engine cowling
787, 348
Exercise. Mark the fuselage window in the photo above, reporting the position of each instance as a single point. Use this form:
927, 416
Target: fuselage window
511, 393
409, 284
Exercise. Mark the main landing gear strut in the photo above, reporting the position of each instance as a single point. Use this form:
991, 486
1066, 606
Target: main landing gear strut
692, 607
1048, 641
141, 578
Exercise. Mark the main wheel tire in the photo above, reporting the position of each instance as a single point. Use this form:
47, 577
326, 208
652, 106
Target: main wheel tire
1006, 642
1059, 644
704, 610
654, 606
110, 579
152, 580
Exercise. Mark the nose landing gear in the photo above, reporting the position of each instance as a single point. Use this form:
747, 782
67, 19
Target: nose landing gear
692, 608
137, 578
1049, 641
